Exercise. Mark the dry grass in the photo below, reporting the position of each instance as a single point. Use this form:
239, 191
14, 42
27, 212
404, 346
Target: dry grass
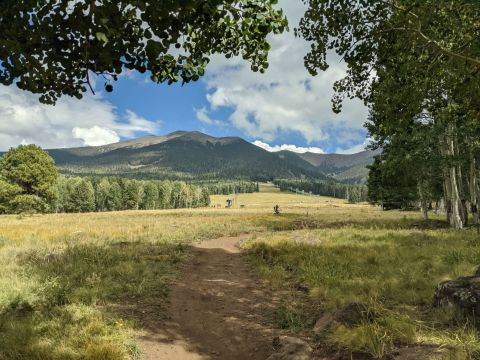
63, 274
358, 254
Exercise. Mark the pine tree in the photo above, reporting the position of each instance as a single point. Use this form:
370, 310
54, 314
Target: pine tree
82, 197
115, 196
102, 194
32, 170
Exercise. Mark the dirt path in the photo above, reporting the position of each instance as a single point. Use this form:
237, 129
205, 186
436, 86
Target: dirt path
218, 310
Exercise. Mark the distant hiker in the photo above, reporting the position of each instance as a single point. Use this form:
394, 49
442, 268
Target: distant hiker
276, 210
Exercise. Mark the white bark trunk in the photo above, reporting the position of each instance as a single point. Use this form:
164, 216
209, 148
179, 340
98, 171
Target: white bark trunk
474, 189
457, 210
447, 185
423, 203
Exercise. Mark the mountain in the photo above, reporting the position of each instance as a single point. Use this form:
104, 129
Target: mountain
347, 168
194, 155
183, 155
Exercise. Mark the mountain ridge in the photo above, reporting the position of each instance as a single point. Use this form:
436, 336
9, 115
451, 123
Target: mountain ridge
193, 154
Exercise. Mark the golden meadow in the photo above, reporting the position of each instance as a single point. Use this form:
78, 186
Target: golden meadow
71, 285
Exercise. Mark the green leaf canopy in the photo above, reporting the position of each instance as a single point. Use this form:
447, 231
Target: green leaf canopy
51, 47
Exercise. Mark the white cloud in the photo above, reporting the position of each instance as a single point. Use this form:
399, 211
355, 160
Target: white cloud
355, 148
293, 148
69, 123
135, 123
95, 136
203, 116
286, 98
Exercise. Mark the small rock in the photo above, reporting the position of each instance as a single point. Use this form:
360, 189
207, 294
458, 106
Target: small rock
290, 348
323, 323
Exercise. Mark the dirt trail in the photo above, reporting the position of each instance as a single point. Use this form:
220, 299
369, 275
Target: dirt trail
218, 310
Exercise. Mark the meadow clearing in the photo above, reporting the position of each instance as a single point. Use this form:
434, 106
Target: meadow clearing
74, 286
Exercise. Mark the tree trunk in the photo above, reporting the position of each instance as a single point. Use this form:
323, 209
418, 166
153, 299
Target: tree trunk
457, 216
474, 189
460, 179
423, 202
447, 204
447, 184
453, 205
457, 207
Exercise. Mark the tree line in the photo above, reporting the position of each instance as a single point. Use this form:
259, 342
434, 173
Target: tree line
113, 194
29, 183
231, 187
352, 193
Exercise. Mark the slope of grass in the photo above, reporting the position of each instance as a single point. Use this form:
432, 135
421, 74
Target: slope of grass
393, 272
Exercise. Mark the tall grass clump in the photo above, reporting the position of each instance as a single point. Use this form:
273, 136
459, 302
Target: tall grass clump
393, 271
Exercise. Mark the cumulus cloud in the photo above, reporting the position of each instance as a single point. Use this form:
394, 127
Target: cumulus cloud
286, 99
95, 136
294, 148
72, 122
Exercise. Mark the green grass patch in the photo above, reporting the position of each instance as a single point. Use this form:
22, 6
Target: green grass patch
61, 306
394, 271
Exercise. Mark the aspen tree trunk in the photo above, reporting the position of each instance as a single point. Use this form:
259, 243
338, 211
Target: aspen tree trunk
457, 207
460, 181
423, 202
447, 204
474, 189
447, 184
457, 219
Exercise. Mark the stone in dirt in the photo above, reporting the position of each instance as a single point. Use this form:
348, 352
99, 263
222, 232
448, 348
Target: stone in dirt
291, 348
462, 293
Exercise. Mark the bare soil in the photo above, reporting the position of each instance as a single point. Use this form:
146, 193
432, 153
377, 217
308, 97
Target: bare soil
218, 310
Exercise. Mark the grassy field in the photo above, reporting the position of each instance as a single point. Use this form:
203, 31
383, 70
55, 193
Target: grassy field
66, 280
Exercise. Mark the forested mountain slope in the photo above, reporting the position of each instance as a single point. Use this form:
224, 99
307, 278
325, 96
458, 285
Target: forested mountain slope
351, 168
185, 155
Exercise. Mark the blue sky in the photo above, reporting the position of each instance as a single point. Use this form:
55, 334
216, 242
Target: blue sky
284, 108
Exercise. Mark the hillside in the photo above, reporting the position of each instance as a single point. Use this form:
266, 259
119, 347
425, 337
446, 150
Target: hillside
196, 155
347, 168
183, 155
